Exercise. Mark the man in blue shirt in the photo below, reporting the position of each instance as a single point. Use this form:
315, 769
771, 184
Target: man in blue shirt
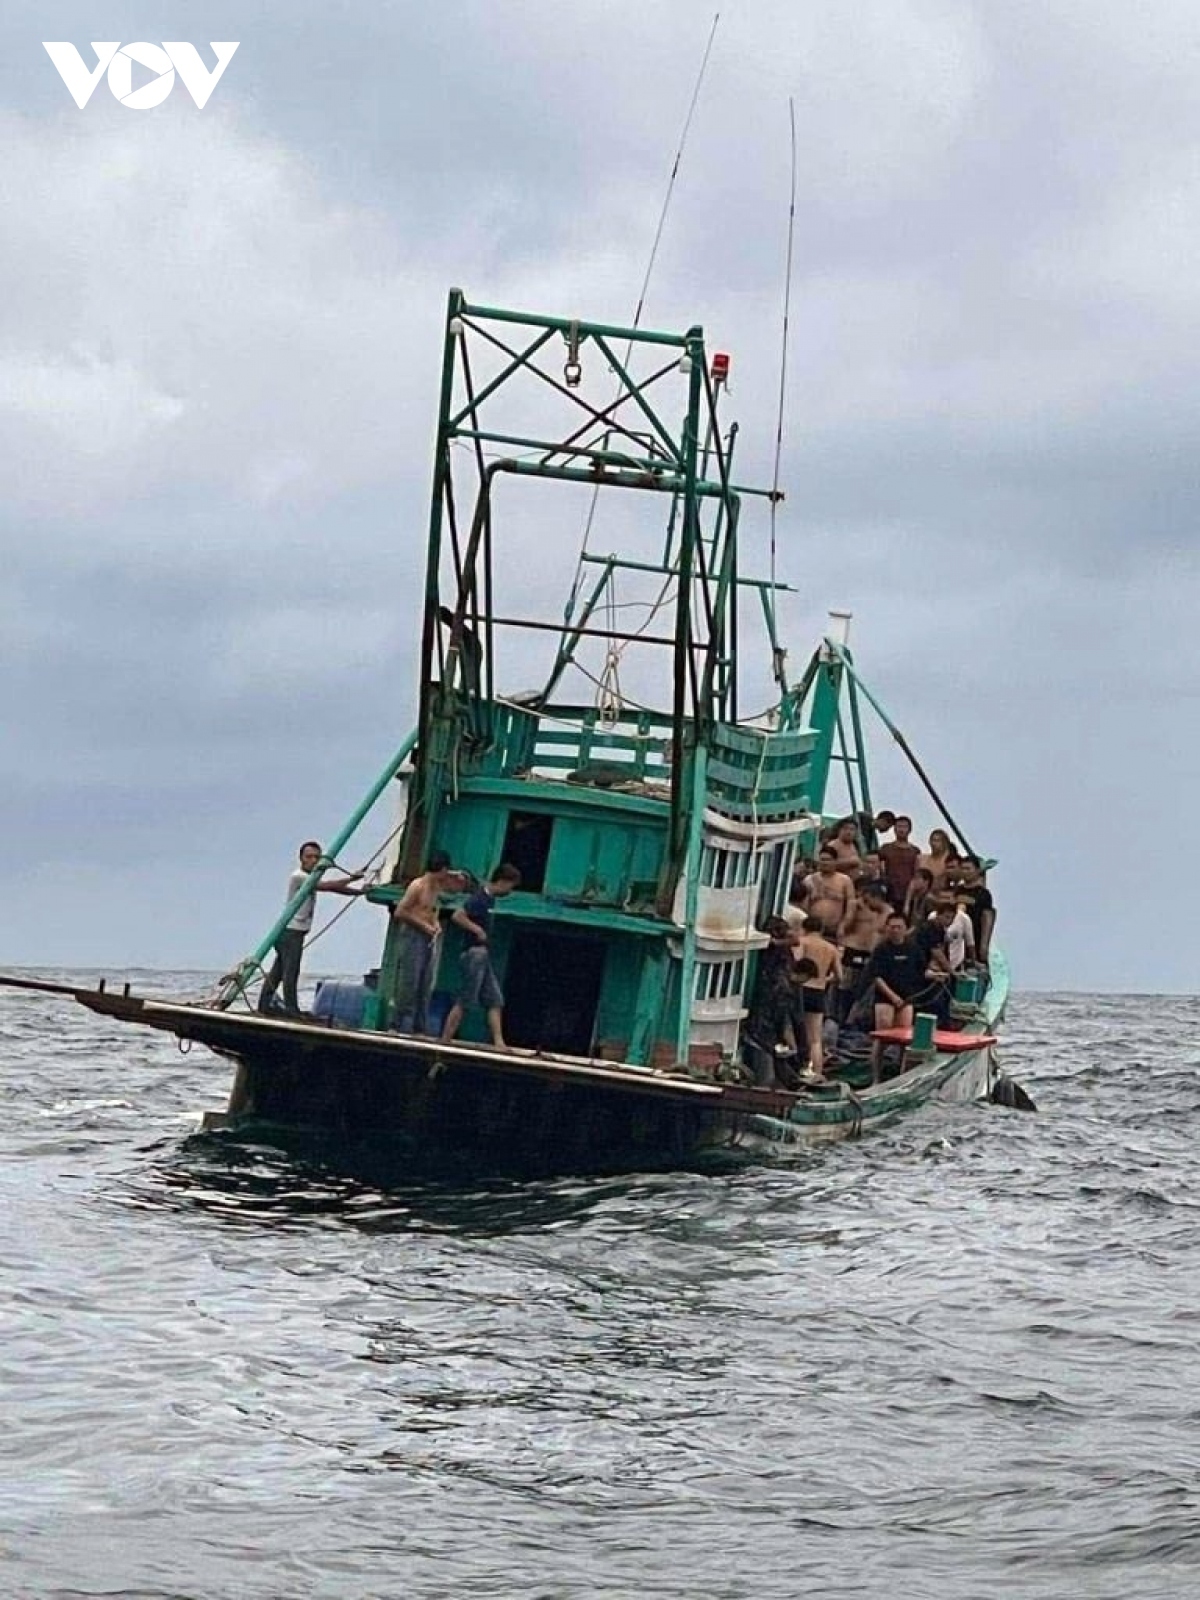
480, 986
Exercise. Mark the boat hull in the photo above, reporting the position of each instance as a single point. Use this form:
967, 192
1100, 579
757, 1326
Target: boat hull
411, 1107
418, 1108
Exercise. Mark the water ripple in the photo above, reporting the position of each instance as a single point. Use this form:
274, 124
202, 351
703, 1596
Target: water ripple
951, 1362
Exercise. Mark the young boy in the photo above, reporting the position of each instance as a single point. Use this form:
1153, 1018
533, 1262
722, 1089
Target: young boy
479, 983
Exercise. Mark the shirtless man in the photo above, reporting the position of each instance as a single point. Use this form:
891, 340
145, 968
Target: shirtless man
863, 934
844, 844
419, 941
831, 896
813, 946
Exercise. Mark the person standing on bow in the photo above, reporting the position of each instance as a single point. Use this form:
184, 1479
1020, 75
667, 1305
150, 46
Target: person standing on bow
480, 986
289, 947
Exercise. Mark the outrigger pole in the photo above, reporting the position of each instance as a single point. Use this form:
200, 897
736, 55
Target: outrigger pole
843, 656
236, 982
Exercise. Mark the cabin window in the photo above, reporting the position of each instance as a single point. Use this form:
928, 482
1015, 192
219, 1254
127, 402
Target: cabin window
719, 980
724, 868
776, 879
527, 846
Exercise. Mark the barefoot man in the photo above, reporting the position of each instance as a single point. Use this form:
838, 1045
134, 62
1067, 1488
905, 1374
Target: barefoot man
864, 933
419, 943
480, 986
812, 946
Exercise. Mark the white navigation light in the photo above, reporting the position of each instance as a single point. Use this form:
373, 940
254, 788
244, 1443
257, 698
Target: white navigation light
839, 627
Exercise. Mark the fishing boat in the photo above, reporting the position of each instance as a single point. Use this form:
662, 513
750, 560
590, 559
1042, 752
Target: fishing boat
655, 820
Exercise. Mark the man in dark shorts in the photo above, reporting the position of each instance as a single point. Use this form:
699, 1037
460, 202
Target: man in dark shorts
814, 948
480, 986
864, 933
896, 975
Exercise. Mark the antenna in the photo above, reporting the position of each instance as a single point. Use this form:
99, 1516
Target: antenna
641, 303
666, 206
783, 355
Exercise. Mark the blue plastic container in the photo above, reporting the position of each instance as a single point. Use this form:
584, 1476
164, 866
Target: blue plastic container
340, 1002
439, 1009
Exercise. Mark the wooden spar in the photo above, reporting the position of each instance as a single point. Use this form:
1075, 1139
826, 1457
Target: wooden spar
44, 986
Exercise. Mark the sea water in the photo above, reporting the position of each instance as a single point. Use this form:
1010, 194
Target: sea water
955, 1361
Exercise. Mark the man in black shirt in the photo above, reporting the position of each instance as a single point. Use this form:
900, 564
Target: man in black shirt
896, 972
930, 937
976, 897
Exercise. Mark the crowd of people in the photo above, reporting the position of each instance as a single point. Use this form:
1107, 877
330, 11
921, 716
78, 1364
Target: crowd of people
875, 929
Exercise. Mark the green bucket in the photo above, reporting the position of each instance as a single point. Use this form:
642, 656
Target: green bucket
924, 1024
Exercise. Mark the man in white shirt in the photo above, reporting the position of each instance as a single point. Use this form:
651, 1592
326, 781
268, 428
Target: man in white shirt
960, 939
289, 947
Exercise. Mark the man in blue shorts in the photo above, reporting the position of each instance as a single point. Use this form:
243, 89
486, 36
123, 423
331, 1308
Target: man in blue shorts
480, 986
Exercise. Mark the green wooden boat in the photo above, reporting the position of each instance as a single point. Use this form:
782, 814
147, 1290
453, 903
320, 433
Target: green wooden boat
654, 820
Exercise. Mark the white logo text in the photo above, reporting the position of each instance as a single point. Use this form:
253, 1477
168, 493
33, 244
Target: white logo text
163, 60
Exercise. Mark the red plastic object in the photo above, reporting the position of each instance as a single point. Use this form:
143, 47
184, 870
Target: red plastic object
950, 1044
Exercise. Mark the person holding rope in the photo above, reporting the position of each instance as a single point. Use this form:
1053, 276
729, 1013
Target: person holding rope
289, 947
419, 942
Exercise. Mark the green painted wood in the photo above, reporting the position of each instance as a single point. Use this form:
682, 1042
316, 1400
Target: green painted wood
534, 795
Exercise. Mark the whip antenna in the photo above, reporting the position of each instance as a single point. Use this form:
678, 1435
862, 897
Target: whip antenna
777, 652
641, 303
783, 351
666, 206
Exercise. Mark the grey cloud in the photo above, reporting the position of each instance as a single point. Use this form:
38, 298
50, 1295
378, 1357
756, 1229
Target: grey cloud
218, 351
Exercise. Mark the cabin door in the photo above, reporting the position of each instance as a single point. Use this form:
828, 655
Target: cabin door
552, 984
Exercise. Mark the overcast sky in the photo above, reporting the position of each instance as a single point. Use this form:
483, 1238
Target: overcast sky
219, 344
